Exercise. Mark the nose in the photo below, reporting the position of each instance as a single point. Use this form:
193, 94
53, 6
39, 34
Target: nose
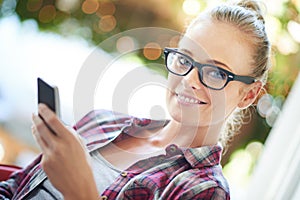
192, 80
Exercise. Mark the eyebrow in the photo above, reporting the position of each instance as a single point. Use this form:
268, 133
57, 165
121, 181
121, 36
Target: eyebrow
210, 61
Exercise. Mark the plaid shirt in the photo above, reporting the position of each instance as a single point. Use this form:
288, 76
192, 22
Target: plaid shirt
181, 173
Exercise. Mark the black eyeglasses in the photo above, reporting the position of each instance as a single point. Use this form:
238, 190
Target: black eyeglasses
211, 76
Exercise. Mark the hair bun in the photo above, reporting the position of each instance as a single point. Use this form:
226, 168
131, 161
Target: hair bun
253, 5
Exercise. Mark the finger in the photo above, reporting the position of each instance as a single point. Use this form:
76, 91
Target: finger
43, 131
39, 140
52, 121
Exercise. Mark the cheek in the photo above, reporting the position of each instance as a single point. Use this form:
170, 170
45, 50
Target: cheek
224, 102
173, 81
218, 102
233, 98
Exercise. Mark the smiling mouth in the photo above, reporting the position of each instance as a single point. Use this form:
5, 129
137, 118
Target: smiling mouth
189, 100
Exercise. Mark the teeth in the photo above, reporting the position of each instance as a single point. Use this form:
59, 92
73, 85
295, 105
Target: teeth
188, 100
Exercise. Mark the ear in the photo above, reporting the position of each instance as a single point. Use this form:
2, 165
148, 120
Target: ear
250, 95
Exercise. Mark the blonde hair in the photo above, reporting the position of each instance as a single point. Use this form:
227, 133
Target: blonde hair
247, 17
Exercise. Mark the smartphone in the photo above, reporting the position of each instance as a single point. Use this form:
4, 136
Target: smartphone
48, 94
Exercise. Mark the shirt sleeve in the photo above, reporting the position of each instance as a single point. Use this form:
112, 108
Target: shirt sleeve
18, 180
198, 192
213, 193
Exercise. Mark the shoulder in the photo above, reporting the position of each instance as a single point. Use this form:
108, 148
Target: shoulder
215, 193
200, 184
100, 127
208, 189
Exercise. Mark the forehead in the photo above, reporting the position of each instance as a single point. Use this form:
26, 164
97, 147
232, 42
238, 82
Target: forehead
210, 40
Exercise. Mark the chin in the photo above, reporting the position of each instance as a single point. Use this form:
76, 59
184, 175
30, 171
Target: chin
190, 117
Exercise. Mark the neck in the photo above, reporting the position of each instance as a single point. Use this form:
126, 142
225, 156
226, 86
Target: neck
187, 135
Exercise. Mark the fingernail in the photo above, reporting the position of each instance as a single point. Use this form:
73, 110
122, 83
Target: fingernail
32, 116
43, 108
41, 105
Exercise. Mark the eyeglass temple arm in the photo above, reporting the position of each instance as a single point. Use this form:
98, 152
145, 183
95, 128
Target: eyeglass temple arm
244, 79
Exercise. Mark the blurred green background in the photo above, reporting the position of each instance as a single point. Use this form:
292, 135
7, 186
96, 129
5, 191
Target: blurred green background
97, 20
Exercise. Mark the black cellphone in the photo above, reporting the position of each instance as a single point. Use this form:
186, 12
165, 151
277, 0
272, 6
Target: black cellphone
48, 94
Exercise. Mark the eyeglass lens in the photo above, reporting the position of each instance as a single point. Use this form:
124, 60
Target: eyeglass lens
209, 75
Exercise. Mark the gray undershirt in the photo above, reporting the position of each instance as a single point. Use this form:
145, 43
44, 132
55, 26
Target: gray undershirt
104, 172
104, 175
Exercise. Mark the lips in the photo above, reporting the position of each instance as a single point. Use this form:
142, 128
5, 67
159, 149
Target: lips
188, 99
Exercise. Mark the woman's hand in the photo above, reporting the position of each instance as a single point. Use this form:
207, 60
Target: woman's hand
64, 158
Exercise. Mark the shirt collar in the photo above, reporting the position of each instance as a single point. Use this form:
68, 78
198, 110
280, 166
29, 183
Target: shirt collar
197, 157
123, 126
204, 156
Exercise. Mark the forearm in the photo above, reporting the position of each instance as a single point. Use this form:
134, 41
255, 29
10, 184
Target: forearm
89, 191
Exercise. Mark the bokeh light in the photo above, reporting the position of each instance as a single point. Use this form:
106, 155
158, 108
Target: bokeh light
264, 104
255, 149
47, 14
273, 28
275, 8
67, 5
240, 166
297, 3
286, 45
152, 51
106, 8
269, 108
90, 6
34, 5
7, 7
238, 169
272, 115
107, 23
125, 44
191, 7
294, 30
278, 101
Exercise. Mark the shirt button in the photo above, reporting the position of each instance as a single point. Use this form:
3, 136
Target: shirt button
124, 174
172, 148
103, 197
161, 158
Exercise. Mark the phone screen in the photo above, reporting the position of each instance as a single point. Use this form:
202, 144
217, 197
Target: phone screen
48, 95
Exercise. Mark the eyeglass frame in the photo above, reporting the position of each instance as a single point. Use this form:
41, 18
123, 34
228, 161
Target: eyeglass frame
230, 76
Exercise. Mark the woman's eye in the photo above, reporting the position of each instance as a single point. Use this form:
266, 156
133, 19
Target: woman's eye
184, 61
217, 74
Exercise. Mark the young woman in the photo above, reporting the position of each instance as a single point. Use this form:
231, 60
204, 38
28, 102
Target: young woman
217, 70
